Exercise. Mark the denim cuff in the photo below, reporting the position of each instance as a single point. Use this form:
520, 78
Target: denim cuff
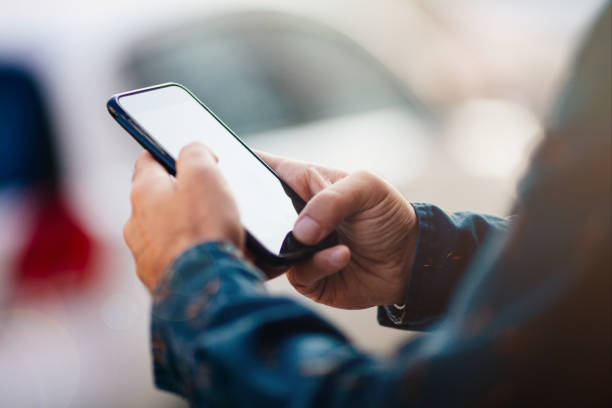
411, 315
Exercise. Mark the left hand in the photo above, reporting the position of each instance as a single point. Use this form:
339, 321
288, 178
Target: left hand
377, 230
171, 215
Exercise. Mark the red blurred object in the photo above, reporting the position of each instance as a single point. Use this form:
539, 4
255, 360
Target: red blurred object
58, 255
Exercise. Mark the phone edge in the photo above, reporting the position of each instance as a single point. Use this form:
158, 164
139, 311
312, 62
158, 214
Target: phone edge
273, 263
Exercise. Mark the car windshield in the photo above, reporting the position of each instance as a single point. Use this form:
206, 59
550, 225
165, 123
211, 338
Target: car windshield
261, 72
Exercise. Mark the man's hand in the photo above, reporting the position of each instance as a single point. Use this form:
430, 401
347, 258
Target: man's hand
377, 230
170, 215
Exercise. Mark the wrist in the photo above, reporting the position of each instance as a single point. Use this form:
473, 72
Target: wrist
408, 249
180, 246
234, 235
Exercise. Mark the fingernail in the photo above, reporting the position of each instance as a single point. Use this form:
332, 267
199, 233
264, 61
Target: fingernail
338, 257
307, 230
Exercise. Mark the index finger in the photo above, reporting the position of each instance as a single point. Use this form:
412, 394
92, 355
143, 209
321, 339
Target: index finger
286, 167
271, 160
197, 170
147, 167
149, 175
193, 159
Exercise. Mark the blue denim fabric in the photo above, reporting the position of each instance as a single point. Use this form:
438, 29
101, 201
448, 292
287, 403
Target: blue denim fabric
445, 246
522, 312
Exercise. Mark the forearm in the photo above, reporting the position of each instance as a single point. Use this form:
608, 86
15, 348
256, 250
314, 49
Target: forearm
220, 340
445, 246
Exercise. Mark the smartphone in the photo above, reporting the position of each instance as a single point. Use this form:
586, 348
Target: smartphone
166, 117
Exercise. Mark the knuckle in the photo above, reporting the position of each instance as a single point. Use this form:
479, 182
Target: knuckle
365, 176
313, 290
200, 170
197, 151
333, 200
194, 147
292, 279
196, 161
190, 152
328, 208
368, 184
293, 276
315, 179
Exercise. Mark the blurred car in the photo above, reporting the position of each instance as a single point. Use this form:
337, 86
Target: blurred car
295, 87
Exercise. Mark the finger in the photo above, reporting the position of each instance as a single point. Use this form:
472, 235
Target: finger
197, 161
143, 161
271, 160
306, 276
327, 209
304, 178
195, 155
149, 178
286, 167
292, 172
316, 181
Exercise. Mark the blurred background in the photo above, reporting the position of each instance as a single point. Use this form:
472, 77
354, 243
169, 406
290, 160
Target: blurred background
444, 99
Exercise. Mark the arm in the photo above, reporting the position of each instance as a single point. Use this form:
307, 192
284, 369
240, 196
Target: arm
220, 340
413, 255
446, 245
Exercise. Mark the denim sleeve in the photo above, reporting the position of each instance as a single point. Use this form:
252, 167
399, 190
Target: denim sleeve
219, 340
445, 246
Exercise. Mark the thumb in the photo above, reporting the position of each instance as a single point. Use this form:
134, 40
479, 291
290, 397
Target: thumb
329, 207
308, 275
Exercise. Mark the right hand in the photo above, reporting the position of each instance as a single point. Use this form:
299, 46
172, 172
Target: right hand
377, 229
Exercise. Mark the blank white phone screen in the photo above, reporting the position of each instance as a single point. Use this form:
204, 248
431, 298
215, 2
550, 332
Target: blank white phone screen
173, 118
